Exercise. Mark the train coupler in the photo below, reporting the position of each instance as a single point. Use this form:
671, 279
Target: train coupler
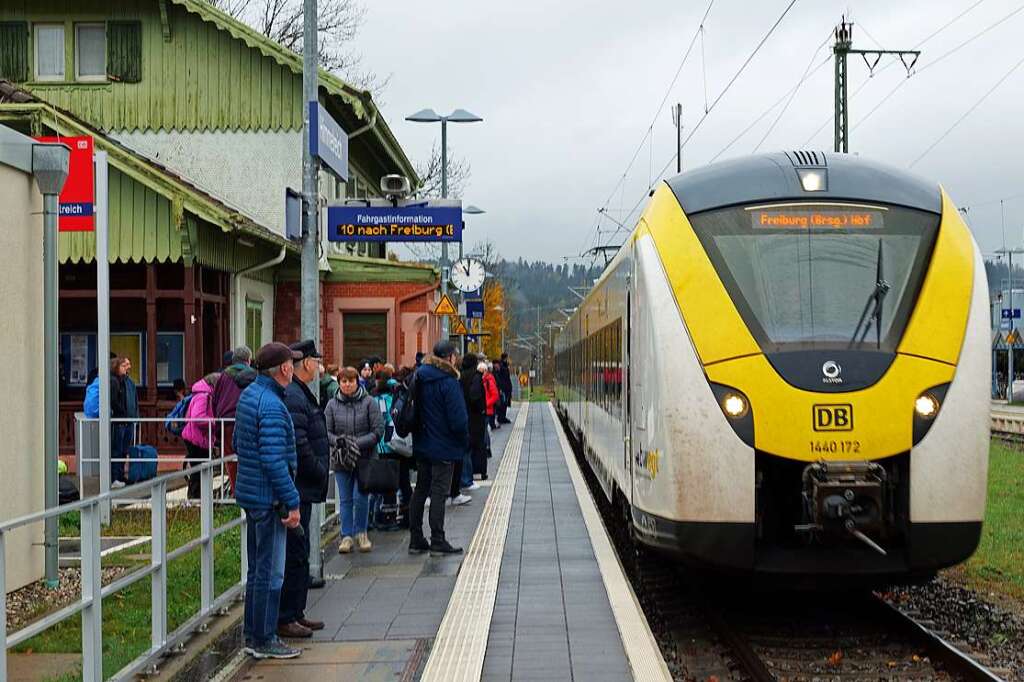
844, 498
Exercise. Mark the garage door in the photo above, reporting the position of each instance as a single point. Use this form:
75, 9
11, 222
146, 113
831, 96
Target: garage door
364, 335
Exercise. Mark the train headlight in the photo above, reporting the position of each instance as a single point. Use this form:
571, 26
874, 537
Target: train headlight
926, 409
813, 179
734, 405
926, 406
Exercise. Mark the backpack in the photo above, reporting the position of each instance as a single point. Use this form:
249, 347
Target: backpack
404, 413
175, 423
91, 407
143, 463
384, 402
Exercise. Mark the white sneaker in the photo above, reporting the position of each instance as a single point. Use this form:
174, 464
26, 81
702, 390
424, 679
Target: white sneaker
117, 484
475, 486
461, 500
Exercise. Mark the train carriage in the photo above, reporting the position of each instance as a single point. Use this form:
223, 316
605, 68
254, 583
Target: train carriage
784, 371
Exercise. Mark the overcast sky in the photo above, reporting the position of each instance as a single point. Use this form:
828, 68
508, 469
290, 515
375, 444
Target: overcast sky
568, 90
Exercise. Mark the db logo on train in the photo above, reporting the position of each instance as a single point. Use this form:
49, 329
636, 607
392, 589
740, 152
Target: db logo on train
833, 417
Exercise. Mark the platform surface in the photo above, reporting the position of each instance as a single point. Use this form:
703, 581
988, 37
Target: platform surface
526, 602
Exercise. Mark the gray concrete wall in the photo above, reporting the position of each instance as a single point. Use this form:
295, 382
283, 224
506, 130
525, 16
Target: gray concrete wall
21, 407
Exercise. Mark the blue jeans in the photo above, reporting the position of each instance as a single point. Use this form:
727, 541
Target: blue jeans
354, 505
122, 437
467, 470
266, 539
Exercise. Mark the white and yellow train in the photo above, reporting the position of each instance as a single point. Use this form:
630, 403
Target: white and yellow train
785, 371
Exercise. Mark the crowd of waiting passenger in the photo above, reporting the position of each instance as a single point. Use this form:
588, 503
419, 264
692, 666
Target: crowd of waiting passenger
396, 442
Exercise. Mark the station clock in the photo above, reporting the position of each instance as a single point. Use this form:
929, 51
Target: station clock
468, 274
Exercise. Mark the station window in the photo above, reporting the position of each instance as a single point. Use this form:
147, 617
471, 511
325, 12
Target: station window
49, 44
253, 323
90, 52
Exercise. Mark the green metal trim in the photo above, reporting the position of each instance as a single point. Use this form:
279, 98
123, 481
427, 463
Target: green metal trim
356, 269
182, 200
173, 187
165, 22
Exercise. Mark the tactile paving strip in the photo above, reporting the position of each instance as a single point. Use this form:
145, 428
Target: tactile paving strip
459, 648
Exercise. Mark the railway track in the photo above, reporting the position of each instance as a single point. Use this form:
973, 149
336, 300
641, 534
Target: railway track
710, 630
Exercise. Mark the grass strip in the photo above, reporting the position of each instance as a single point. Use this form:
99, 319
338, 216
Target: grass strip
998, 565
126, 614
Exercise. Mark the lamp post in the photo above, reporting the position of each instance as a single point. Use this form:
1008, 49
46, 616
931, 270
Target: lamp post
50, 163
470, 210
1009, 357
431, 116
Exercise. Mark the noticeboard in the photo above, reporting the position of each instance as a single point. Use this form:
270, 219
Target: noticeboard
394, 223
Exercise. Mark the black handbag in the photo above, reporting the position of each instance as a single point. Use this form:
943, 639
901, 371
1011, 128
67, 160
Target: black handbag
377, 475
345, 454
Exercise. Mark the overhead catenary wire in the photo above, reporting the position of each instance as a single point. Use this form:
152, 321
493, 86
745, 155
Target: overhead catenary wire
714, 103
769, 110
885, 66
661, 105
933, 62
792, 93
968, 112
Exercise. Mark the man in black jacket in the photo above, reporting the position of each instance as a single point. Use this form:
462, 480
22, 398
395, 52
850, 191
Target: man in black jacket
504, 377
314, 452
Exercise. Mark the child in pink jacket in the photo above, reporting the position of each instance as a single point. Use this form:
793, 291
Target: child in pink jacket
199, 434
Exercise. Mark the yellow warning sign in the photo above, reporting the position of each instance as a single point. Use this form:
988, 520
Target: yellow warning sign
459, 326
445, 306
1013, 337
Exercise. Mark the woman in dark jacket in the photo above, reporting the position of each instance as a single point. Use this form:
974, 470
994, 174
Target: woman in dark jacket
476, 407
352, 413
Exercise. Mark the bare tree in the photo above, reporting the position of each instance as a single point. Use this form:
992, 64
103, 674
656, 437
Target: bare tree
430, 174
338, 24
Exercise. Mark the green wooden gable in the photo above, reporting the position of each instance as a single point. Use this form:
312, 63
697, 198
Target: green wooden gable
197, 69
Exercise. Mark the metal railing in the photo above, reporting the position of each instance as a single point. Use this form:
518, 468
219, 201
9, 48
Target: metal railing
90, 602
94, 512
81, 460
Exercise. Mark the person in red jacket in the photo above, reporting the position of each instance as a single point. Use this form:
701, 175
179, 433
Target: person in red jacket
490, 392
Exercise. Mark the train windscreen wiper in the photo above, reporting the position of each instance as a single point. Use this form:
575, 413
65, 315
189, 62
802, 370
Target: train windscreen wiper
876, 299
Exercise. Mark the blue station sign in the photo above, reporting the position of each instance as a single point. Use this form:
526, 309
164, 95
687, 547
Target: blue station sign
327, 140
474, 309
394, 223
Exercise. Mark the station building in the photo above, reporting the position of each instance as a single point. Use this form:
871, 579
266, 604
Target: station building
201, 117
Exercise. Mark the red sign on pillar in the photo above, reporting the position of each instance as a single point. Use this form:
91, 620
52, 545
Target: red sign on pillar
78, 196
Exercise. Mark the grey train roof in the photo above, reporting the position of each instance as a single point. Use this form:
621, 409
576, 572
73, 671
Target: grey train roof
773, 177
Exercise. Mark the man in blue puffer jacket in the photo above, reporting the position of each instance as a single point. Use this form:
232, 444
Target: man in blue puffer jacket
440, 439
265, 442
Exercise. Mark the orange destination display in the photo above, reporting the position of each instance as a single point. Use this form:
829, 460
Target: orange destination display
825, 217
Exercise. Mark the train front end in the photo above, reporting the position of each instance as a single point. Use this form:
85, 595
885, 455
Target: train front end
838, 309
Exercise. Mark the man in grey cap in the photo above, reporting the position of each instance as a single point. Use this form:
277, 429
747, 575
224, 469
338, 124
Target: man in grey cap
265, 442
314, 453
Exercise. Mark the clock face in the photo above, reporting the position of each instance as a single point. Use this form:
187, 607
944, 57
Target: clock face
468, 274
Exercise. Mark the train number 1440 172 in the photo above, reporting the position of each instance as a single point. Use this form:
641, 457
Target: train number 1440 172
822, 447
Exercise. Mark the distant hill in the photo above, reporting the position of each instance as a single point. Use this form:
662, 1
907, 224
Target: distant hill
536, 291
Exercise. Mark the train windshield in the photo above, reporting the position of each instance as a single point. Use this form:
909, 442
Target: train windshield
820, 275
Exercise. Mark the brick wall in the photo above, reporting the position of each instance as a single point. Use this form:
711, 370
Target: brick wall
288, 317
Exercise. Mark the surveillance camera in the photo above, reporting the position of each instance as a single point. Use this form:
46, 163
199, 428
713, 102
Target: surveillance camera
395, 186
